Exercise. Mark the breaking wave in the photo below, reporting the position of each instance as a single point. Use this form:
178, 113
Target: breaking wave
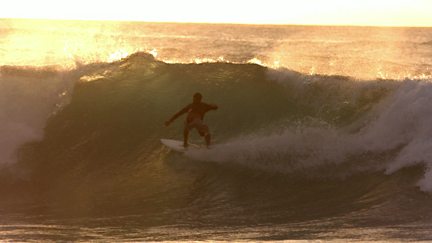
88, 140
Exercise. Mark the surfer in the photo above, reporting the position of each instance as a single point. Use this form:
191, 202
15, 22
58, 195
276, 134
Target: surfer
196, 111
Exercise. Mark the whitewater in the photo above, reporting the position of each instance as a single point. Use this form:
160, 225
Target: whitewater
322, 133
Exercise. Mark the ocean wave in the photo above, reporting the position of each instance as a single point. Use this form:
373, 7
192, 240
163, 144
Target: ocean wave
143, 89
95, 135
427, 43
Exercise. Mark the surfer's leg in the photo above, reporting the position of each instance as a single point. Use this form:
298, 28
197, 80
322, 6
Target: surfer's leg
185, 136
203, 130
208, 139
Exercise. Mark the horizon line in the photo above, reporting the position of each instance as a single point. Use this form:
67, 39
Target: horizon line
217, 23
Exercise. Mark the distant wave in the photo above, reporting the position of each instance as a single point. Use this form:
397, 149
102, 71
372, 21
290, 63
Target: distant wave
427, 42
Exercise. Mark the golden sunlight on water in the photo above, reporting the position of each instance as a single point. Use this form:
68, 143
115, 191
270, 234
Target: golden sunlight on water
361, 52
384, 53
61, 43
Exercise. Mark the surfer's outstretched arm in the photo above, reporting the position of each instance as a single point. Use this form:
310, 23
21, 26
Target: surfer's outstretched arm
212, 107
176, 115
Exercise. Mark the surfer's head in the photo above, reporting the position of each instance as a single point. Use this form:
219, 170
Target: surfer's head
197, 97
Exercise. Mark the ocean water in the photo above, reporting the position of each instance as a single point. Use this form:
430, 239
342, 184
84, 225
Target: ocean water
322, 133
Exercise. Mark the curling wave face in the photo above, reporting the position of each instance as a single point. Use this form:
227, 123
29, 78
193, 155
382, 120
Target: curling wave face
286, 143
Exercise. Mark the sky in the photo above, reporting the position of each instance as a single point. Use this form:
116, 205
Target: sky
303, 12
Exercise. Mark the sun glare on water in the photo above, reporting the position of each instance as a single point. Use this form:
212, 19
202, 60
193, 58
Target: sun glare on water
37, 41
62, 43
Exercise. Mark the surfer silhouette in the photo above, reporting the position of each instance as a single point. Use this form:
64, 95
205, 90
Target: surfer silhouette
196, 111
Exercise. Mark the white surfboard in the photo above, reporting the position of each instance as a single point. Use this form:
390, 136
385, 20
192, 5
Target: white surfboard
177, 145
